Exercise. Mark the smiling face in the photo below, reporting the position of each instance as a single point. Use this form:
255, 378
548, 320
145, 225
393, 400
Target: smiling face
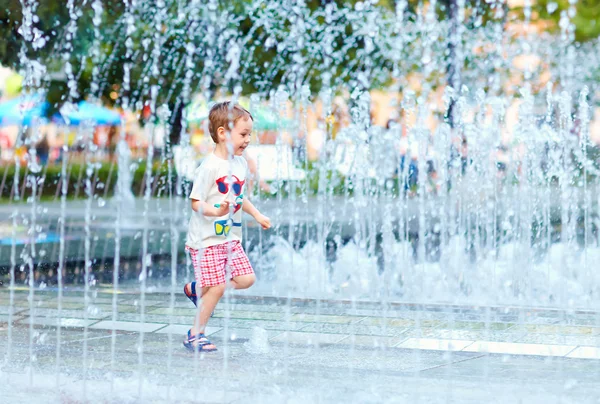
230, 125
239, 137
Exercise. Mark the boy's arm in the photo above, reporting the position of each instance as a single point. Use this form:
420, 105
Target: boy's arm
250, 209
203, 208
261, 219
203, 179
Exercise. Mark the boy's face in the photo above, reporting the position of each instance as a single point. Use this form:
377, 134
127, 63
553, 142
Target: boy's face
240, 135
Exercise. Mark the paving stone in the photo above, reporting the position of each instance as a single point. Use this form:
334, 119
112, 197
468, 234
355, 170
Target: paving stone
241, 334
388, 322
127, 326
54, 321
374, 342
308, 338
182, 329
250, 315
514, 348
309, 318
354, 329
585, 352
44, 312
435, 344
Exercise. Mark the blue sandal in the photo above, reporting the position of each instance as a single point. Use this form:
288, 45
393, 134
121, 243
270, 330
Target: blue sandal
192, 296
203, 342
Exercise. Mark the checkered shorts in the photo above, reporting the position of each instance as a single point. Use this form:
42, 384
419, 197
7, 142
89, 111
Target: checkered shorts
212, 263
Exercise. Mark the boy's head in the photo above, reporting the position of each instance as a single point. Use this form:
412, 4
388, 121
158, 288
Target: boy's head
227, 117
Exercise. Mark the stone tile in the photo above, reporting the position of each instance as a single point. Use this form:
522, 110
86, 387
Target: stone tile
513, 348
43, 312
4, 319
388, 322
6, 310
151, 302
250, 315
127, 326
184, 328
437, 333
107, 309
310, 318
22, 302
375, 342
54, 321
434, 344
153, 318
178, 311
562, 329
430, 323
242, 334
95, 300
341, 311
560, 339
585, 352
250, 323
353, 329
308, 338
479, 325
253, 307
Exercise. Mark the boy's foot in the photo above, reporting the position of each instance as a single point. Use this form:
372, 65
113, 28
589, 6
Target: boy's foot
199, 342
190, 291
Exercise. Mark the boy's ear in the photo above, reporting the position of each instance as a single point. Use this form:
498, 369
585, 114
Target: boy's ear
221, 133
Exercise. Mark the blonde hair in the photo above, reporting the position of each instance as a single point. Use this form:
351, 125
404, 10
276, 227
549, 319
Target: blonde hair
225, 114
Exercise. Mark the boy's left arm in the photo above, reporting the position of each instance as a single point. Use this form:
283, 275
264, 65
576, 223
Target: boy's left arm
250, 209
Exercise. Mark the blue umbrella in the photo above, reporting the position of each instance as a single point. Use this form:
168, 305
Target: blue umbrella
22, 110
87, 112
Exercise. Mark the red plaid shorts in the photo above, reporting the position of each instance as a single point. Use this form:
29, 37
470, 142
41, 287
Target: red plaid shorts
210, 263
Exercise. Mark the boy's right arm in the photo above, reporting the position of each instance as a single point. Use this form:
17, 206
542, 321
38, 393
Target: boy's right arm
208, 210
203, 180
200, 189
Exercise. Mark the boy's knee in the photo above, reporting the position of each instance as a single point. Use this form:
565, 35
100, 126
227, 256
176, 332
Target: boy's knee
220, 289
217, 291
250, 280
245, 281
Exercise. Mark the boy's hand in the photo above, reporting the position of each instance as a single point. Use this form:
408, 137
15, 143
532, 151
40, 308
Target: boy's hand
264, 221
221, 209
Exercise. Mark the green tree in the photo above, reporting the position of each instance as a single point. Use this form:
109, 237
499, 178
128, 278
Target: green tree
586, 18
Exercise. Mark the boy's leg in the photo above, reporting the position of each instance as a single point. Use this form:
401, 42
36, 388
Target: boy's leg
242, 274
207, 272
243, 281
210, 297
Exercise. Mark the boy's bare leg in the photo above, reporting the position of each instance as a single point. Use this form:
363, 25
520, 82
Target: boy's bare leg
210, 297
243, 281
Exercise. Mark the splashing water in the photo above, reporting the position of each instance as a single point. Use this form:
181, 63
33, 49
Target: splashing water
482, 191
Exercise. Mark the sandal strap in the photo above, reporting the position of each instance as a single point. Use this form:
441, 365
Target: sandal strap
200, 337
192, 290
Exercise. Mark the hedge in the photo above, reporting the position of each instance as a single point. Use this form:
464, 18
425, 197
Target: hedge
103, 180
102, 176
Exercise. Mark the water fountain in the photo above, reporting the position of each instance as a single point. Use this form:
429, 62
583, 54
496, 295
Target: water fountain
494, 205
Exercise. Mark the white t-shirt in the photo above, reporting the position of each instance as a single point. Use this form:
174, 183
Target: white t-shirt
213, 184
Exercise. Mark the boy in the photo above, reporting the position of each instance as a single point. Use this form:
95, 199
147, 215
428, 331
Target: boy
215, 232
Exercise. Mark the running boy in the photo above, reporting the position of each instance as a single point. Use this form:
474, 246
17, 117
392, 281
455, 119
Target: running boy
215, 232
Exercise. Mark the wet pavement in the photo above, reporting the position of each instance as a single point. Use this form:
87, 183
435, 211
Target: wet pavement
291, 350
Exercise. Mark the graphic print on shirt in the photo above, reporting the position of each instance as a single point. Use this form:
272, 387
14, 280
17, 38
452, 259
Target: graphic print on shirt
222, 227
237, 185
